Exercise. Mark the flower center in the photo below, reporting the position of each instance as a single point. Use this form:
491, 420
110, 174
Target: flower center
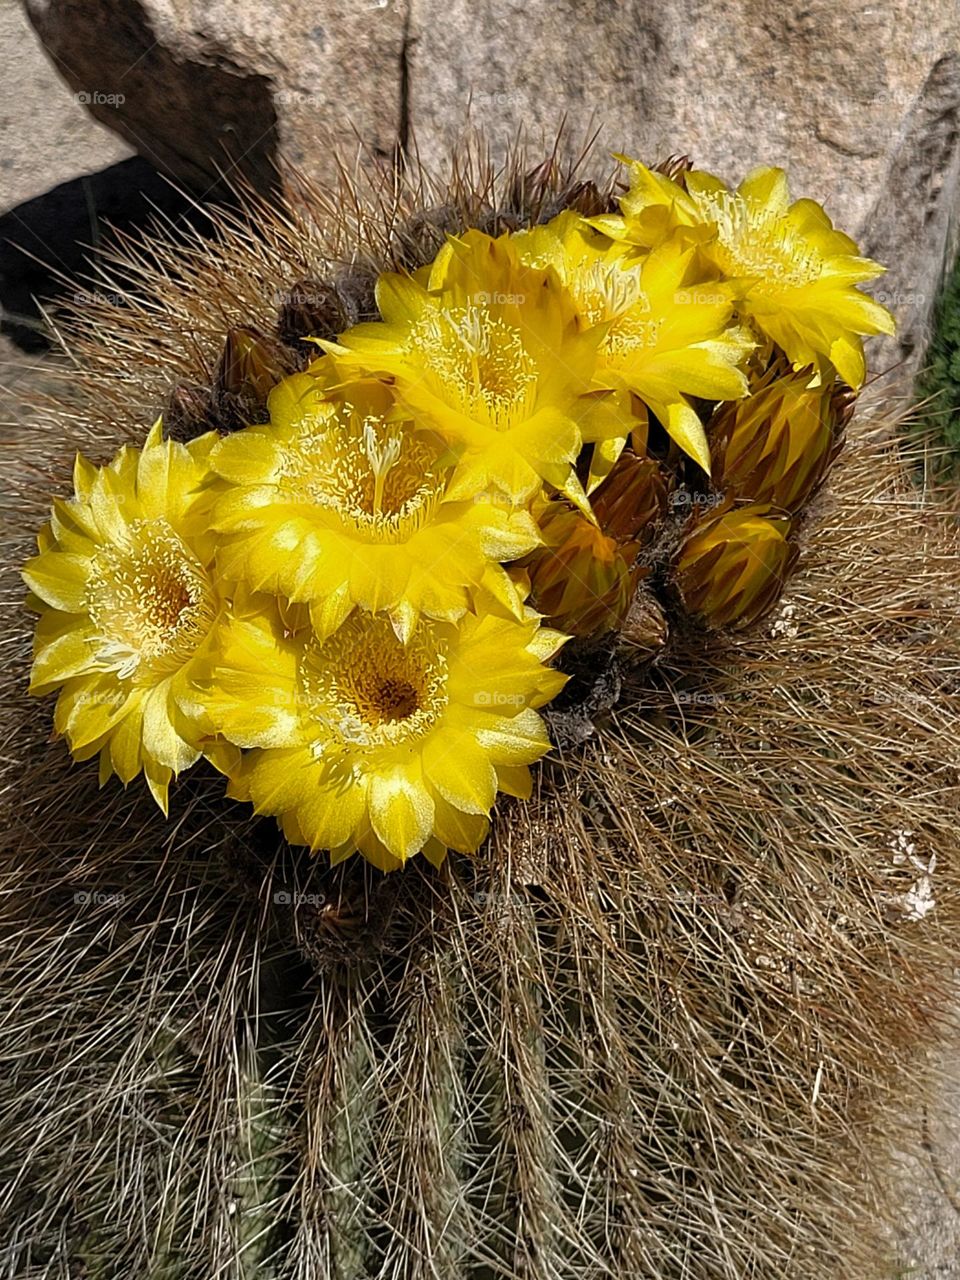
609, 294
754, 241
380, 478
364, 689
150, 601
479, 359
604, 291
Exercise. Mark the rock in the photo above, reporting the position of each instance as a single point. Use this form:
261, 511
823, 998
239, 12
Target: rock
205, 89
861, 105
45, 138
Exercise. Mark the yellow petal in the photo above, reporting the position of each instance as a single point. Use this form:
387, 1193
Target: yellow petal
59, 578
158, 780
249, 457
161, 740
464, 832
846, 356
327, 613
89, 707
767, 186
68, 654
686, 429
126, 743
297, 398
401, 811
515, 780
435, 852
84, 474
400, 299
460, 770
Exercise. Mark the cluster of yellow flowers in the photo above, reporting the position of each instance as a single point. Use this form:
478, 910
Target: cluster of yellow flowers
340, 607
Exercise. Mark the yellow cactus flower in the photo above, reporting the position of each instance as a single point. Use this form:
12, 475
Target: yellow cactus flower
667, 336
338, 504
129, 605
363, 743
794, 275
491, 354
654, 209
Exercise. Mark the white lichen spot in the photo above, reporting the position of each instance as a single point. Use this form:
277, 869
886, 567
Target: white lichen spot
917, 901
785, 625
902, 845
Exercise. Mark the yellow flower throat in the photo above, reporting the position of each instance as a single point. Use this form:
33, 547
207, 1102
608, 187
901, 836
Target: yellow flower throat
150, 601
366, 689
381, 478
479, 359
754, 241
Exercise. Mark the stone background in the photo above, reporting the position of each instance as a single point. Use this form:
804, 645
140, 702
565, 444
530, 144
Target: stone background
860, 101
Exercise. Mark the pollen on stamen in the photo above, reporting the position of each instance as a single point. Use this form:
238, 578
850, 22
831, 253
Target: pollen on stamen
150, 601
752, 241
365, 689
380, 478
605, 291
480, 360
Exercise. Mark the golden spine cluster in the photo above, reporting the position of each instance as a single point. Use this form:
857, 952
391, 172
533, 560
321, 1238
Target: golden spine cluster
352, 609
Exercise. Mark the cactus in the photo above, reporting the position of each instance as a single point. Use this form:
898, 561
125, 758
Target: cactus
660, 1026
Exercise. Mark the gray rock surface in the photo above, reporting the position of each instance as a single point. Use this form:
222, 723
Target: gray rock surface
46, 137
860, 103
927, 1240
202, 87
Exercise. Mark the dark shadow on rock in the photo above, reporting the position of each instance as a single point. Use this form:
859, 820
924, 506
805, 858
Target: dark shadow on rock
195, 113
61, 232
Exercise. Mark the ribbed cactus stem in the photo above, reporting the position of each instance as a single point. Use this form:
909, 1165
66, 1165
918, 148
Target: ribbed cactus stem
338, 1135
420, 1157
249, 1202
522, 1120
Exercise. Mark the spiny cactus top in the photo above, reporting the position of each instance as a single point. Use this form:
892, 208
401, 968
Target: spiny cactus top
353, 608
